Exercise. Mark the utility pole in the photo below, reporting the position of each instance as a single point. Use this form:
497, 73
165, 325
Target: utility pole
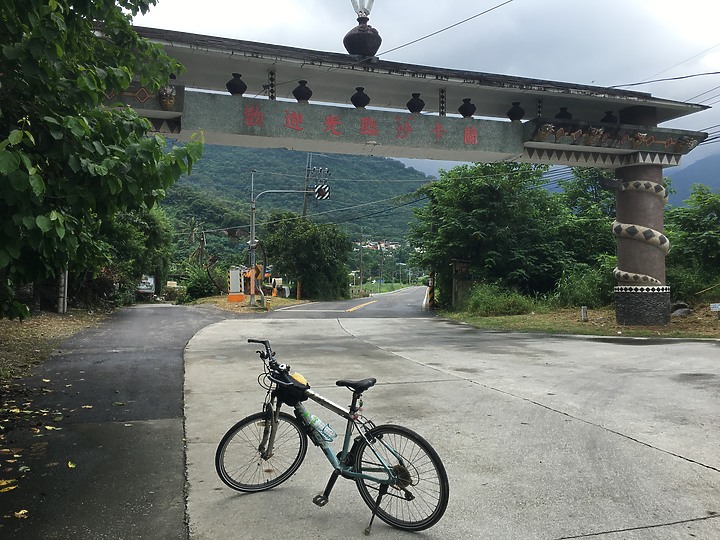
361, 261
381, 268
308, 168
318, 174
252, 237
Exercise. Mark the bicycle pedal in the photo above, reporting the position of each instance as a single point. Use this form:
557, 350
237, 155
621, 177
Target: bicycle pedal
320, 500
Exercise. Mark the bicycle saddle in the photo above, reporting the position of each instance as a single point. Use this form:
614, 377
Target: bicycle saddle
358, 386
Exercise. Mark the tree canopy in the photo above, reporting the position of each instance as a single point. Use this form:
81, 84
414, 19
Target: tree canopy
316, 254
68, 163
500, 219
694, 232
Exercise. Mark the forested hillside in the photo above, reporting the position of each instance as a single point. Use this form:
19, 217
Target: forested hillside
369, 196
704, 171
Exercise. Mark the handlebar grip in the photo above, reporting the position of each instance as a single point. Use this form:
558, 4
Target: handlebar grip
260, 341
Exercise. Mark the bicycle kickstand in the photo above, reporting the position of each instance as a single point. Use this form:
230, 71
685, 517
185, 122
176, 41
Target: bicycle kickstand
322, 499
382, 491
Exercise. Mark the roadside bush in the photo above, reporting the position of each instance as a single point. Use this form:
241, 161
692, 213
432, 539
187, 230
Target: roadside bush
585, 285
686, 284
174, 294
198, 284
488, 300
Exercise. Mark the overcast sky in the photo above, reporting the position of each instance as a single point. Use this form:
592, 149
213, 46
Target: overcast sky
599, 42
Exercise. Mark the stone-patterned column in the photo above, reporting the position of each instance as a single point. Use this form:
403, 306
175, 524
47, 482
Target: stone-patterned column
642, 296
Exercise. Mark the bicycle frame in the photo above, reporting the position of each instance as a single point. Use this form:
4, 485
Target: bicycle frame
339, 461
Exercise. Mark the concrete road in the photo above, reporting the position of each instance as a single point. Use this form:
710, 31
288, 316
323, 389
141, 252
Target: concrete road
543, 437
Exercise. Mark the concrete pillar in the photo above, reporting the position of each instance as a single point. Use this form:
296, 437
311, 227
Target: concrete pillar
641, 296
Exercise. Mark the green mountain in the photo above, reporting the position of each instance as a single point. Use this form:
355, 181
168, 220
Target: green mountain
369, 196
703, 171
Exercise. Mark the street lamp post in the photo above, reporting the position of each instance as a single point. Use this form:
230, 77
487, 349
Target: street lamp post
381, 268
252, 242
401, 272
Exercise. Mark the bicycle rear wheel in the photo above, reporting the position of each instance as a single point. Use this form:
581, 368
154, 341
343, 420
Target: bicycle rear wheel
419, 498
238, 460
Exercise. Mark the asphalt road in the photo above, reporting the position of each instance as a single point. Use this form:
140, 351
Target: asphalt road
115, 468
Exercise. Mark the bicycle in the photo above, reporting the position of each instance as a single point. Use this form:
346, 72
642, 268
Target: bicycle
398, 474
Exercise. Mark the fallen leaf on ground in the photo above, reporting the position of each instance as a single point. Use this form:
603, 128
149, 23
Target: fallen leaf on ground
71, 465
6, 489
22, 514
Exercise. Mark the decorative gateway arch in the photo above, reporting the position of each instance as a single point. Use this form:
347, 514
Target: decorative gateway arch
360, 104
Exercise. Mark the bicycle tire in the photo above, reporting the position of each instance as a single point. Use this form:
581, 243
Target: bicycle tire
238, 461
419, 469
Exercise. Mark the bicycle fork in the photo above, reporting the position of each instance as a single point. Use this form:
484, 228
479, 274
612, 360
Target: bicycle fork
267, 443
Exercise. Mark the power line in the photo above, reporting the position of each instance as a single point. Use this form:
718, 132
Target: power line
683, 62
357, 62
447, 28
702, 93
666, 79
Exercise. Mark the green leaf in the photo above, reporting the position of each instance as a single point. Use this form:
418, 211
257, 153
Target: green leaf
9, 162
74, 163
43, 223
15, 137
37, 184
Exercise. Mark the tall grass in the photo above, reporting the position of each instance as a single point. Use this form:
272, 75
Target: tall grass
585, 285
489, 300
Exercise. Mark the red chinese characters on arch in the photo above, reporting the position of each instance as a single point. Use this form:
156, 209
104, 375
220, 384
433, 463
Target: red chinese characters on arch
294, 120
403, 129
439, 131
332, 123
470, 136
254, 117
368, 126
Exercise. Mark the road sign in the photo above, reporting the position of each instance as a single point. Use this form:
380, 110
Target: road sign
322, 192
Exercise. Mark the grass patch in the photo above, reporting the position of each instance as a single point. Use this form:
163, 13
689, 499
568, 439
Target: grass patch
272, 302
702, 323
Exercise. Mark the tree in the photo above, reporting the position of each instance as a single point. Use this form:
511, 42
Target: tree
694, 233
588, 236
140, 243
316, 254
500, 219
66, 162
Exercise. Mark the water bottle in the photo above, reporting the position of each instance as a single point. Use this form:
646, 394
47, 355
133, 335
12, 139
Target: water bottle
324, 430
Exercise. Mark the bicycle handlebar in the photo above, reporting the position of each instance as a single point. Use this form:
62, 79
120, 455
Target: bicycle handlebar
279, 370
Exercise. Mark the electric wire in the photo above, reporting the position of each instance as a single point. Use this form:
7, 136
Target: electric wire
703, 93
331, 69
683, 62
446, 28
679, 78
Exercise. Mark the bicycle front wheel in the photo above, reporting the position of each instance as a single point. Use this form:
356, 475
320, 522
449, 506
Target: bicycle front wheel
239, 462
418, 499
